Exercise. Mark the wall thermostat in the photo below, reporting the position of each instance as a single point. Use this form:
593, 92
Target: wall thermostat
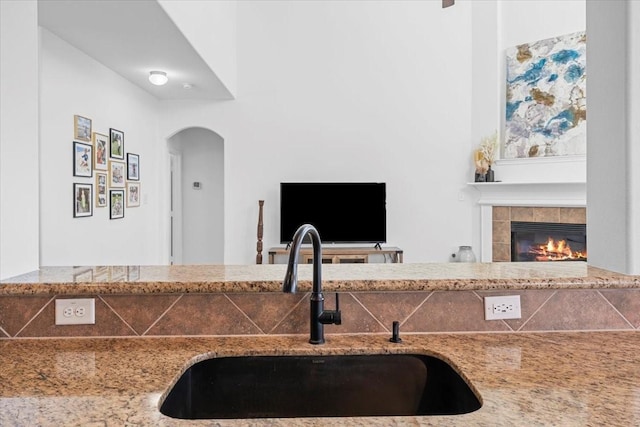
197, 185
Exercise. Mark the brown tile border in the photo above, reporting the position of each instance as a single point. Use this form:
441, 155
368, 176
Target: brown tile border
363, 312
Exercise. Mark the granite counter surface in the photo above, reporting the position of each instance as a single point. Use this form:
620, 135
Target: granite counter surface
565, 379
268, 278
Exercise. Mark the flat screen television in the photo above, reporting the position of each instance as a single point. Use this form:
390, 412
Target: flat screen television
342, 212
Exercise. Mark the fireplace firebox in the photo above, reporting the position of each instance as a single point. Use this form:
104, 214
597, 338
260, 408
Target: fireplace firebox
544, 241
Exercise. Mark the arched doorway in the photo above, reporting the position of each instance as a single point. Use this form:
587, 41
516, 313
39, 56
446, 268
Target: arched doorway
196, 197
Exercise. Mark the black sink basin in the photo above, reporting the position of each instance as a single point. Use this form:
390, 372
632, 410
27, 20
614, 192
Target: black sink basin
319, 386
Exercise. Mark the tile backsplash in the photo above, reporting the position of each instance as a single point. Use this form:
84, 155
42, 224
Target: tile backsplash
263, 313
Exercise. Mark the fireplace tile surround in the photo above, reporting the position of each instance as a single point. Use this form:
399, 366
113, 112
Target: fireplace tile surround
502, 202
503, 215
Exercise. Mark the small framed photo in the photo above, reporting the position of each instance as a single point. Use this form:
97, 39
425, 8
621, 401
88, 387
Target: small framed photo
101, 190
101, 273
116, 144
84, 276
118, 273
133, 272
82, 200
100, 144
133, 194
133, 167
116, 210
82, 128
116, 173
82, 159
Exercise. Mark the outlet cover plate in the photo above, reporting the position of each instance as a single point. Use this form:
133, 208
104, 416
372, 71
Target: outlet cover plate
503, 307
75, 311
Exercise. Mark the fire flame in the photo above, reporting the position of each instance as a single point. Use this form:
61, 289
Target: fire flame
555, 251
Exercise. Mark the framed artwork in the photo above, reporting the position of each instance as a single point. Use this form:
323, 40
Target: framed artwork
546, 105
116, 144
101, 190
82, 159
116, 173
118, 273
84, 276
100, 144
82, 200
133, 272
133, 167
101, 273
133, 194
82, 128
116, 210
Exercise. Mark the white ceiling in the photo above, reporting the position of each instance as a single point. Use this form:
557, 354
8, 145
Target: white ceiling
133, 38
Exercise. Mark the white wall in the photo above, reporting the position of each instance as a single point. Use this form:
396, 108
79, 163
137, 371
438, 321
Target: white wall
633, 141
613, 205
202, 154
524, 21
327, 91
73, 83
339, 91
210, 27
18, 137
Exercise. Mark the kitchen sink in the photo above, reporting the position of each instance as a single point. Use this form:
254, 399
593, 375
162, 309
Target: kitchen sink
319, 386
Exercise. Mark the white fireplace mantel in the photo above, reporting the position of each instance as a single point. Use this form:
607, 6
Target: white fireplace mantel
564, 194
536, 194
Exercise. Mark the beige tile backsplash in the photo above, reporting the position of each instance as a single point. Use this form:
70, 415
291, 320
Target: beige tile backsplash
363, 312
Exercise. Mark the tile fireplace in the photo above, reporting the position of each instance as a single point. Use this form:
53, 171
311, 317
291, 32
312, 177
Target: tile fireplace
538, 234
501, 203
546, 241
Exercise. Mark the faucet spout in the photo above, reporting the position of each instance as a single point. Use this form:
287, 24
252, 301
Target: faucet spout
318, 315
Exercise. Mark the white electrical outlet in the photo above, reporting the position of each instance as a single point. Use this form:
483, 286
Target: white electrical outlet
504, 307
76, 311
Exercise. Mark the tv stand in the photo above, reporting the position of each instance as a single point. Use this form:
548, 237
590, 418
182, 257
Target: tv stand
341, 255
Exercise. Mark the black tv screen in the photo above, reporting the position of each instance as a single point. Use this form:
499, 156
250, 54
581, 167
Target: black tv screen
342, 212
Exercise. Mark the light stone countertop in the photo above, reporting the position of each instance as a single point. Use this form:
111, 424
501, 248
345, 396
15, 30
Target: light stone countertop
565, 379
345, 277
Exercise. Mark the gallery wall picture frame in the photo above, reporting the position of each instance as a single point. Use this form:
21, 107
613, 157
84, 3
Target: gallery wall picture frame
101, 190
82, 200
116, 144
133, 167
82, 159
100, 147
85, 276
116, 174
133, 194
118, 273
133, 272
101, 273
116, 204
82, 128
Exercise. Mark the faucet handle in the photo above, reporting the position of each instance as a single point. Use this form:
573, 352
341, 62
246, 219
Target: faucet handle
338, 314
328, 317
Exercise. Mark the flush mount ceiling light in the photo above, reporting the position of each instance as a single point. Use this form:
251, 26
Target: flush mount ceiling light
158, 78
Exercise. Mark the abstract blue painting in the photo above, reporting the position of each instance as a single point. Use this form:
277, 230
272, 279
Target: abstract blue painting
546, 106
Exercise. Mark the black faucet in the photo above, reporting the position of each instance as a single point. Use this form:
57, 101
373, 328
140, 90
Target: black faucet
318, 316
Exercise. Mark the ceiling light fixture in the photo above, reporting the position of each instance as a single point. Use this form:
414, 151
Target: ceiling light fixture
158, 78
